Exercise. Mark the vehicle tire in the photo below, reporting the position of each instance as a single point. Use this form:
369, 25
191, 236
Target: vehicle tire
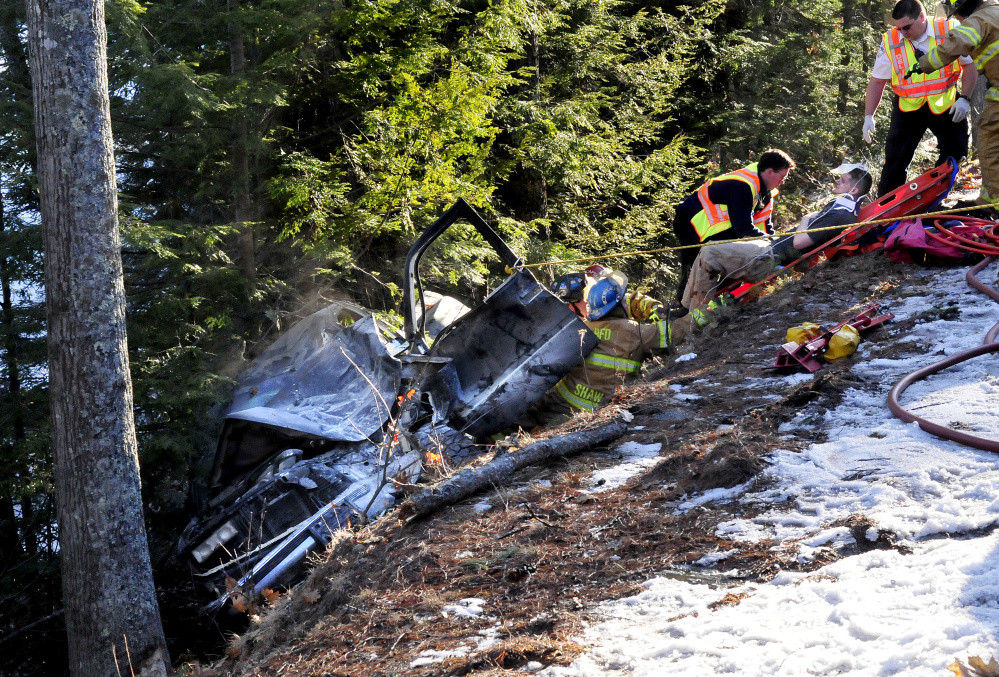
456, 447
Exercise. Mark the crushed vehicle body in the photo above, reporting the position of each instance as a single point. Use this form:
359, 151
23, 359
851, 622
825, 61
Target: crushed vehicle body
332, 418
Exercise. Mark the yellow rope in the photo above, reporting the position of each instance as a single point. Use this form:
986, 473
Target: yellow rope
854, 226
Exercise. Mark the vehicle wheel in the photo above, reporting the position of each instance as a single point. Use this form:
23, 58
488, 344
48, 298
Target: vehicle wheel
456, 447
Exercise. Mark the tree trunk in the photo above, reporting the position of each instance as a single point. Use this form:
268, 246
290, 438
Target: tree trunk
112, 617
18, 80
844, 82
241, 156
14, 405
869, 10
535, 204
499, 471
10, 544
18, 86
526, 189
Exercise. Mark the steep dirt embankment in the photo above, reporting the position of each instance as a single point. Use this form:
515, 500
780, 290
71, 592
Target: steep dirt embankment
505, 578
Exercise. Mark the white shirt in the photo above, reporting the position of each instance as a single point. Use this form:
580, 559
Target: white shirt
883, 64
847, 202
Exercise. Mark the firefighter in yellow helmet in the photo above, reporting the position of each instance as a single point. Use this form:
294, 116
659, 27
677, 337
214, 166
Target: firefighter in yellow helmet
978, 38
922, 100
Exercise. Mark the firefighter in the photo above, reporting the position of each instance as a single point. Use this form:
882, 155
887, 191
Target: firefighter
923, 100
601, 302
637, 305
978, 38
734, 205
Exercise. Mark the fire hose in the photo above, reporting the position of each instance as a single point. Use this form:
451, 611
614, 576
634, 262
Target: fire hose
948, 236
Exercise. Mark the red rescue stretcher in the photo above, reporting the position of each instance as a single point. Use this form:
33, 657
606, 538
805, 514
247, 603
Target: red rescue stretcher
923, 194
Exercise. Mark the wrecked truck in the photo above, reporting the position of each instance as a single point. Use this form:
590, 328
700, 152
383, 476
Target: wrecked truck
340, 412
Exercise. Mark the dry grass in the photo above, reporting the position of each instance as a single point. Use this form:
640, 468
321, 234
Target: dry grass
544, 555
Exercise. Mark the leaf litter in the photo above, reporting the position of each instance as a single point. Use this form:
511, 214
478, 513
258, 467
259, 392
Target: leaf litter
553, 564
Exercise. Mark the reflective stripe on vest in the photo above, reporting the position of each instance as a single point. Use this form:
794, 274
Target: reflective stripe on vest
986, 55
992, 94
665, 334
713, 219
577, 401
615, 363
939, 87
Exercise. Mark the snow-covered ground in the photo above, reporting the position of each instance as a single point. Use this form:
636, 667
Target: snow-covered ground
877, 613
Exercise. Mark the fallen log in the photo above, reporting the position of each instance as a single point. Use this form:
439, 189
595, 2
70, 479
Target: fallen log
499, 470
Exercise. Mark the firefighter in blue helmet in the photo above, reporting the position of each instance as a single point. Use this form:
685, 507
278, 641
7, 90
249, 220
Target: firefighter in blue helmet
603, 302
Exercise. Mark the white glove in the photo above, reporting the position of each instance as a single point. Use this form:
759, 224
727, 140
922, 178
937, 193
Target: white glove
869, 127
959, 110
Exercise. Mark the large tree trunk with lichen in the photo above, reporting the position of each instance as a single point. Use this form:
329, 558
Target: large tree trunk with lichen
110, 601
499, 470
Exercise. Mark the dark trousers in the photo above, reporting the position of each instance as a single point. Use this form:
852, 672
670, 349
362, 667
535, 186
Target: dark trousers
904, 134
686, 235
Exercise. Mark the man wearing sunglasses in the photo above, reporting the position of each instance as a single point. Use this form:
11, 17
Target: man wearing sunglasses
922, 100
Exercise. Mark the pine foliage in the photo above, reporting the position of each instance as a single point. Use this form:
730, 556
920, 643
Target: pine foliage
273, 154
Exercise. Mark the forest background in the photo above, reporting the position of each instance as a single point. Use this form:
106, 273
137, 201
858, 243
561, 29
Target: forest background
275, 154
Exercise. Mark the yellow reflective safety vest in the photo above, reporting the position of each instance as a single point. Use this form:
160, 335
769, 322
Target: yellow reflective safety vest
714, 219
939, 88
624, 345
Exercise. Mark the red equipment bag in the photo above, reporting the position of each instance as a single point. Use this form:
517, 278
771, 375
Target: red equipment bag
908, 243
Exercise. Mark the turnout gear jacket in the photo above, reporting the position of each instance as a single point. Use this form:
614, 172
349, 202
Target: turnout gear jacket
736, 204
624, 344
938, 88
977, 37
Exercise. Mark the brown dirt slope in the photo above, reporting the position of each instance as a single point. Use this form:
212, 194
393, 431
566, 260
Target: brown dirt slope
548, 549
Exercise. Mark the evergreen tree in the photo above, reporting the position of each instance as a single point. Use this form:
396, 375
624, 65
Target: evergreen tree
274, 153
28, 535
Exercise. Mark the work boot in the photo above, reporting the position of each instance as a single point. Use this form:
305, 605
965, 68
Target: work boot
701, 317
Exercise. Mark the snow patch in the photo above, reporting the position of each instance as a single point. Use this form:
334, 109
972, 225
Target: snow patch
470, 607
636, 458
873, 613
